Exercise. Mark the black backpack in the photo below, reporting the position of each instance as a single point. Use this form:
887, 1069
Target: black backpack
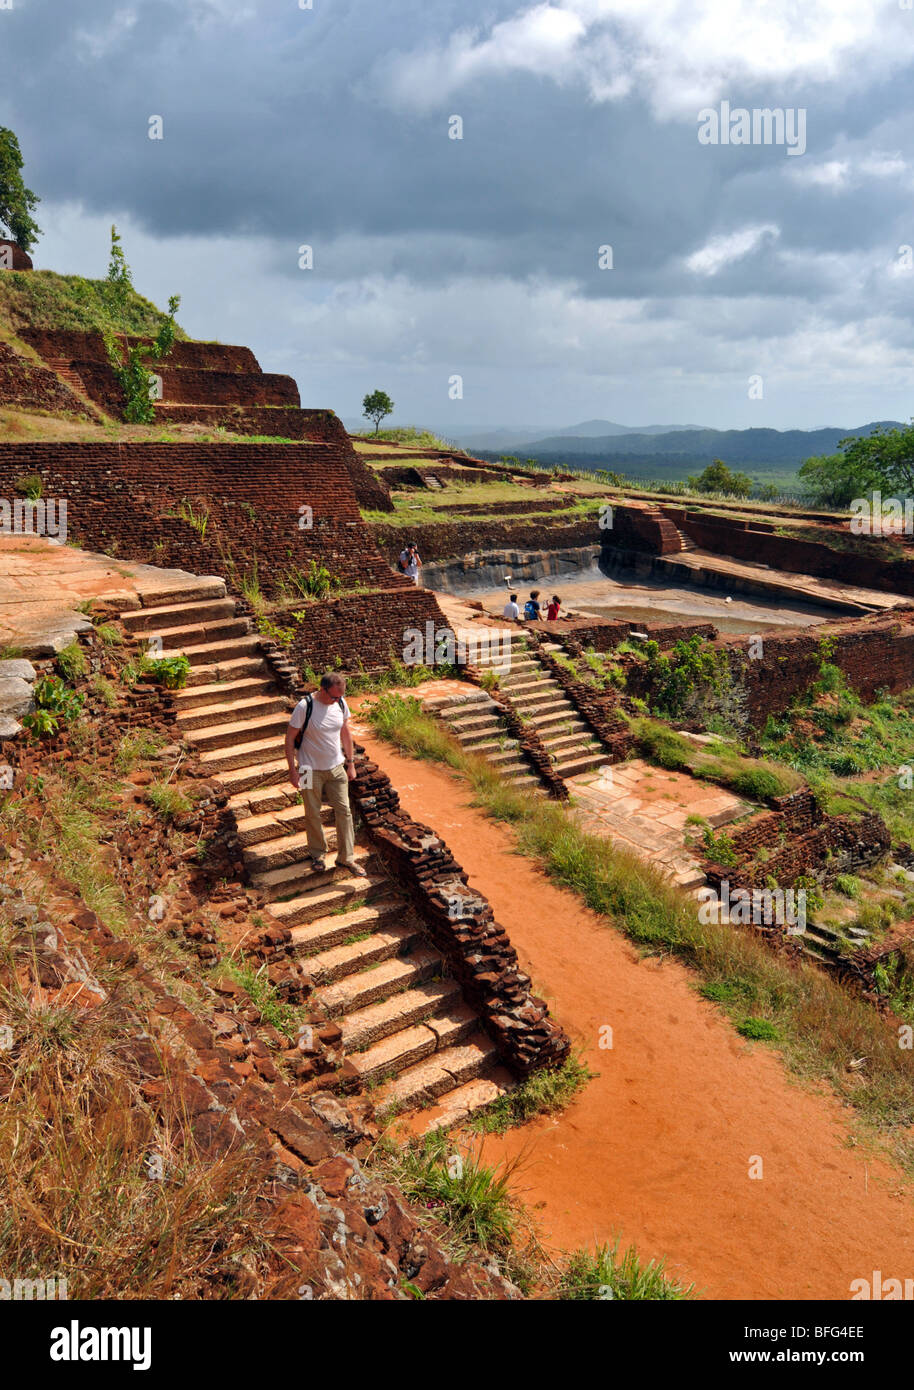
309, 707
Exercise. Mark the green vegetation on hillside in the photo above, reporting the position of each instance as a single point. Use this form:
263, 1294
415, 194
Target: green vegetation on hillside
44, 299
882, 460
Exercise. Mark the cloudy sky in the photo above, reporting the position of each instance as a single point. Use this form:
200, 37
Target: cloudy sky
479, 257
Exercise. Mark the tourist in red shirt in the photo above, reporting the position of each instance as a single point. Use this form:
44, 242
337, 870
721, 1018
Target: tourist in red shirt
552, 612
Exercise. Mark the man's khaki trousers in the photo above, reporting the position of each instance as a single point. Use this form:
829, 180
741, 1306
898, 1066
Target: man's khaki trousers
334, 785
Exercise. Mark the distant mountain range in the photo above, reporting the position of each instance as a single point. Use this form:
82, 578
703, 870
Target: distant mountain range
671, 453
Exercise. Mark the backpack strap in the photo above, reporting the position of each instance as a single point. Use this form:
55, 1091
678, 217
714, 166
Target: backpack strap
309, 706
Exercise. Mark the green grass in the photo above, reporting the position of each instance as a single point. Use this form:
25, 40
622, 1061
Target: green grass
753, 778
44, 299
72, 661
167, 800
847, 737
543, 1093
604, 1274
820, 1024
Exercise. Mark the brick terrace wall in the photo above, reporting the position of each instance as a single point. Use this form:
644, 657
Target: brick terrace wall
642, 529
21, 259
413, 476
462, 926
605, 637
756, 542
363, 627
449, 540
318, 426
874, 653
188, 385
90, 347
25, 384
120, 494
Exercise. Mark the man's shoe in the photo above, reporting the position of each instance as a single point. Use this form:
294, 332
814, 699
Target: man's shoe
318, 864
352, 868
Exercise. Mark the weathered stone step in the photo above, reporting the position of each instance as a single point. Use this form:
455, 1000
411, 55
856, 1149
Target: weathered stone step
292, 879
548, 705
368, 986
470, 738
405, 1048
422, 1084
467, 723
195, 588
223, 672
261, 773
315, 903
263, 855
197, 697
367, 1026
196, 634
261, 751
337, 928
222, 652
456, 1106
288, 819
268, 725
390, 939
554, 720
232, 711
178, 615
573, 765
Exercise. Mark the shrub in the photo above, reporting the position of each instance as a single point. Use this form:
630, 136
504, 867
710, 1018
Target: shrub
56, 704
604, 1274
72, 661
170, 671
758, 1029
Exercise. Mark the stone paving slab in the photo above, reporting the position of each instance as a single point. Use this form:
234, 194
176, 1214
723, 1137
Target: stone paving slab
644, 809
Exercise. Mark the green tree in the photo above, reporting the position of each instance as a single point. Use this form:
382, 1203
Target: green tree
717, 477
119, 281
883, 460
375, 406
16, 201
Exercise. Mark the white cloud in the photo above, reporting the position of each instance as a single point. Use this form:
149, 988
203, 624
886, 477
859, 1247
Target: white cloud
680, 54
723, 250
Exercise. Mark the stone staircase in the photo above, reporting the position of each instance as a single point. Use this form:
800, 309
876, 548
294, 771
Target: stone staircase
537, 696
410, 1038
480, 727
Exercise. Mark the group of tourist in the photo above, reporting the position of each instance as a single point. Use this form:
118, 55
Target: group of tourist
410, 562
533, 609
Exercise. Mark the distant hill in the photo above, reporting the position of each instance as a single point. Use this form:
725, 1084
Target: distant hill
675, 453
516, 438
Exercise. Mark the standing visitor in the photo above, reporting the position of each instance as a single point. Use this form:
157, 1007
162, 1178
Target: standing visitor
319, 733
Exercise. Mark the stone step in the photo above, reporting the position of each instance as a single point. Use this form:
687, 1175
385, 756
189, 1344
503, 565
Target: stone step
522, 685
232, 711
248, 779
315, 903
470, 738
197, 634
178, 615
287, 819
448, 708
195, 588
555, 720
355, 992
335, 963
197, 697
456, 1106
511, 771
246, 755
290, 880
463, 722
537, 706
243, 731
392, 1055
263, 855
422, 1084
337, 928
576, 763
210, 652
367, 1026
225, 672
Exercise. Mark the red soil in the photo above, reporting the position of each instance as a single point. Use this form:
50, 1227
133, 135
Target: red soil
658, 1148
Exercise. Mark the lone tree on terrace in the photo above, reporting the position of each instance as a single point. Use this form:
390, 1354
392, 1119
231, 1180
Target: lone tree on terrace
16, 201
375, 406
717, 477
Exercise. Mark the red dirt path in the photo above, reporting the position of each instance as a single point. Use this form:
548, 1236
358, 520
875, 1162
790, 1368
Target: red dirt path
658, 1148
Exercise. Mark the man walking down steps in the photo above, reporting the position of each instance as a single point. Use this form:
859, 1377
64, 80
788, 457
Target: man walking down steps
319, 731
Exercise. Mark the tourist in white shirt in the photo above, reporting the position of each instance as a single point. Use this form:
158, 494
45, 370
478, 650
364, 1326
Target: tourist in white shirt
511, 610
324, 766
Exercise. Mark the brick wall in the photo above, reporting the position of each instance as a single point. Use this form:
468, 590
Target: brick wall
366, 628
21, 260
450, 540
189, 385
25, 384
605, 637
756, 542
641, 529
120, 495
89, 347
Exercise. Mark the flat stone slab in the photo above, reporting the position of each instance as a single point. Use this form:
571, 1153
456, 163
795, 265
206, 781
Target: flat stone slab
19, 670
9, 728
15, 696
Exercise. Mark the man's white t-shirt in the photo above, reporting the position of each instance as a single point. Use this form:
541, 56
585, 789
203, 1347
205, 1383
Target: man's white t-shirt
510, 610
321, 748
